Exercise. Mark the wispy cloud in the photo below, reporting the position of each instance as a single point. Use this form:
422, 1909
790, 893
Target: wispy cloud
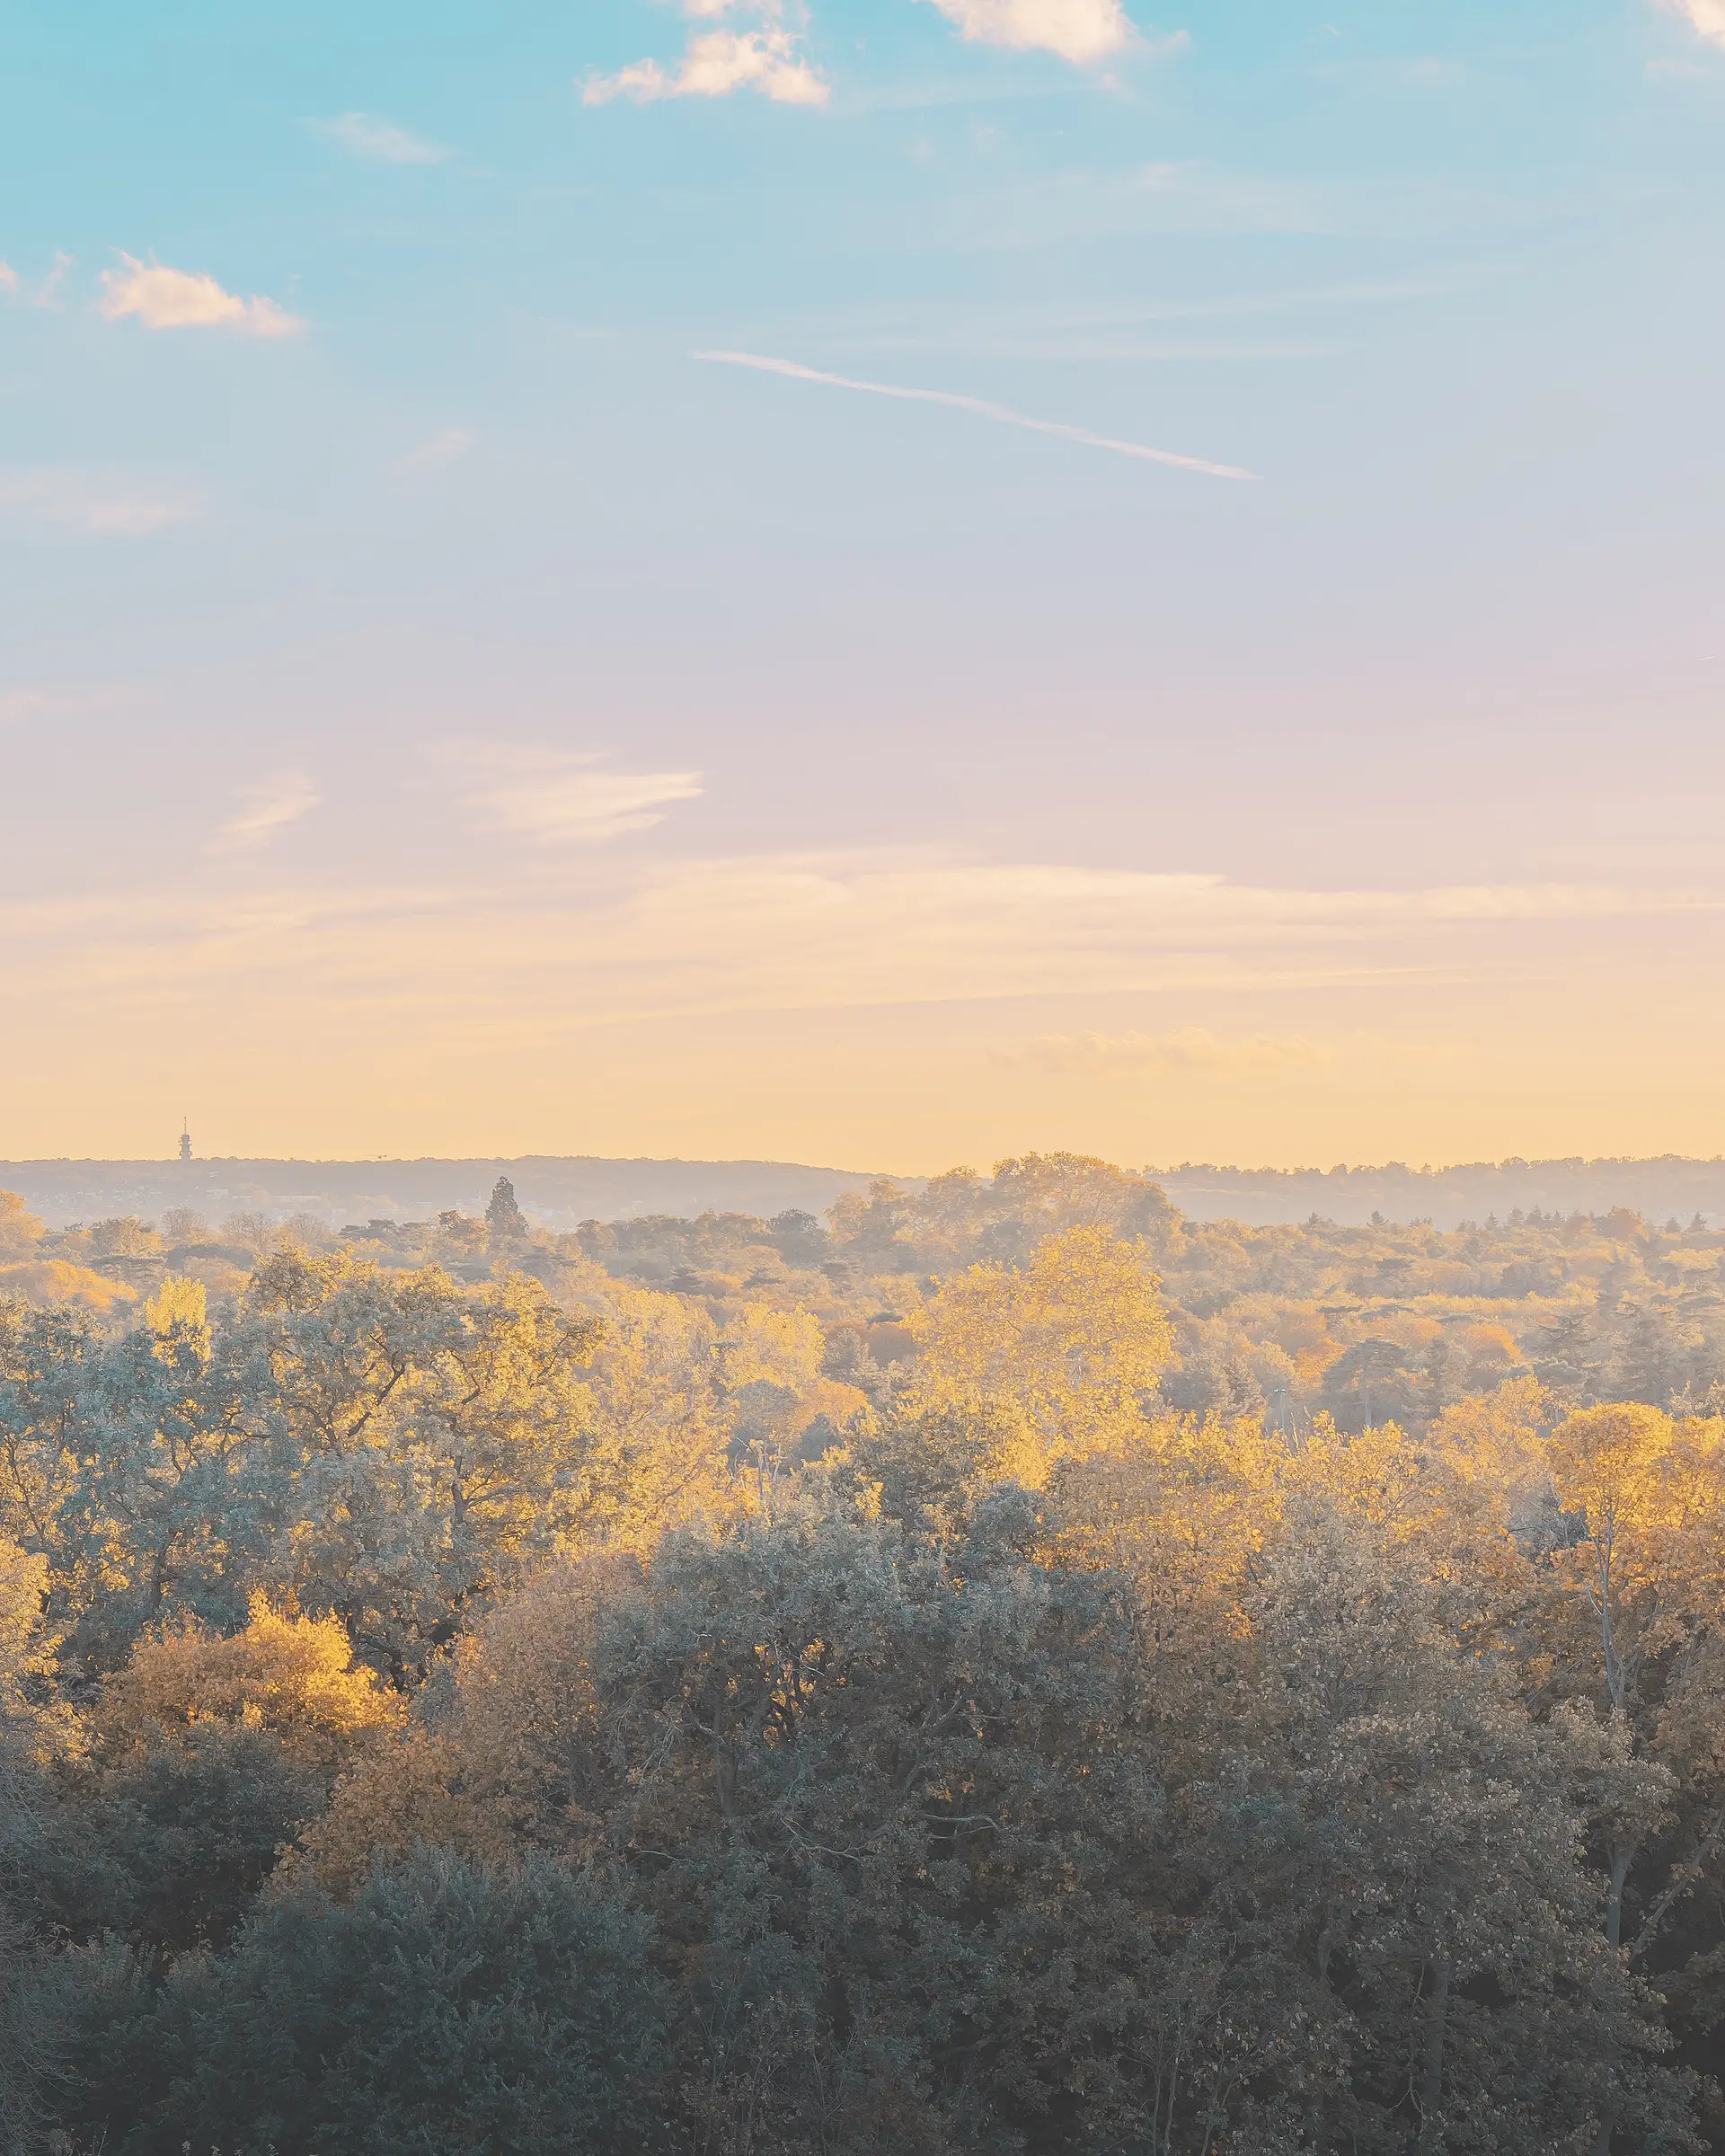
1422, 71
46, 294
562, 800
443, 448
365, 135
1706, 18
1224, 200
164, 299
1002, 414
266, 809
767, 59
1189, 1048
592, 938
1082, 31
105, 504
16, 705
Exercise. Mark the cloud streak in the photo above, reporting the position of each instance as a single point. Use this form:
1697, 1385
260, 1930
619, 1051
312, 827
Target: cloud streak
1002, 415
444, 447
1189, 1048
19, 704
164, 299
561, 943
365, 135
562, 799
105, 505
268, 808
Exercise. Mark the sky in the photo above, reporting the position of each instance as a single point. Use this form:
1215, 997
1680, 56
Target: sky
884, 584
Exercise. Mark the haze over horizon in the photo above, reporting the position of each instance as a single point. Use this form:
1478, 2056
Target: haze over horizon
884, 583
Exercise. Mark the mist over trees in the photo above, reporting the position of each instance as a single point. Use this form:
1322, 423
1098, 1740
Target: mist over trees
998, 1667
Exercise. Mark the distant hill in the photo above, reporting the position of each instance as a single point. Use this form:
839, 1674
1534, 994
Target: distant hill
559, 1191
1655, 1188
562, 1190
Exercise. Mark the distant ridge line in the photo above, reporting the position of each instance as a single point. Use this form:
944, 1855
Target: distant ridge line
562, 1190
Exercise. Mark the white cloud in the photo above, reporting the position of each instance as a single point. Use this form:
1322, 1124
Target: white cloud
1084, 31
717, 63
441, 448
365, 135
562, 800
267, 808
1189, 1048
1002, 414
1706, 18
107, 505
164, 299
8, 279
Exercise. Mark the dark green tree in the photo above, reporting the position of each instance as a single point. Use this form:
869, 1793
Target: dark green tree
448, 2011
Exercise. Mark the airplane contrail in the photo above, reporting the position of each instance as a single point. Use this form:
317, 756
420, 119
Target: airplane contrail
1002, 413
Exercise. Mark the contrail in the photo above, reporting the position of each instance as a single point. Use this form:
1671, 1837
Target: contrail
1003, 413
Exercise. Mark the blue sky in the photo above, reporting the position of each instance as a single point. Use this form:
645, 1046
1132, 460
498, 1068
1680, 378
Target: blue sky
439, 711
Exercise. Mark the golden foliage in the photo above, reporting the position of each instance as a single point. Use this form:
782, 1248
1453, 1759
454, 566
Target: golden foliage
19, 1226
1074, 1342
774, 1346
654, 1430
23, 1577
294, 1676
179, 1311
1181, 1507
50, 1281
512, 1753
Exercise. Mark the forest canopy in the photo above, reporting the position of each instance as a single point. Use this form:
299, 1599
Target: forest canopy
1000, 1667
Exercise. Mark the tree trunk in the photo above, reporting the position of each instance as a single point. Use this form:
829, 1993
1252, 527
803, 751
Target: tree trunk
1622, 1857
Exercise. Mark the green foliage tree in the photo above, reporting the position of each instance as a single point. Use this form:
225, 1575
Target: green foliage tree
447, 2008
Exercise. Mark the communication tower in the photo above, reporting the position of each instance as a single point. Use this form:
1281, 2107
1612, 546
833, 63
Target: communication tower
185, 1139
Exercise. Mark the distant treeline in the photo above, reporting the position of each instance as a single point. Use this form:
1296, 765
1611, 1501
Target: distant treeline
561, 1191
1657, 1189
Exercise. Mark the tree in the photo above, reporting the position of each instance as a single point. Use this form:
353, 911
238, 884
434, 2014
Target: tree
885, 1774
30, 2032
390, 1450
1633, 1646
19, 1227
201, 1759
1076, 1341
503, 1216
448, 2009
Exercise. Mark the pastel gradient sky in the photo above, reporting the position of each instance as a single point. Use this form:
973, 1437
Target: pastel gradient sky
483, 668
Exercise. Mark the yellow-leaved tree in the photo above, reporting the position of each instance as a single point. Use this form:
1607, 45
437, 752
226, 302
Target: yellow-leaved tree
1070, 1346
178, 1313
653, 1422
19, 1226
292, 1676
